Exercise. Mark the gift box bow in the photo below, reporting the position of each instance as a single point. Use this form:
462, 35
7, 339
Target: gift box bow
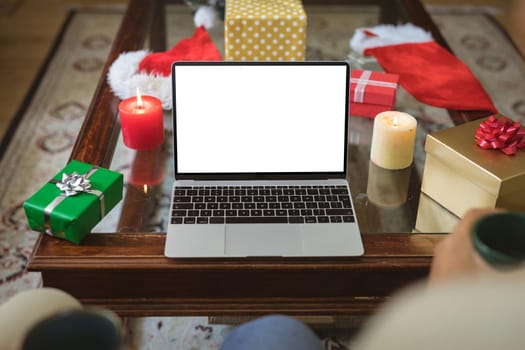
502, 134
71, 185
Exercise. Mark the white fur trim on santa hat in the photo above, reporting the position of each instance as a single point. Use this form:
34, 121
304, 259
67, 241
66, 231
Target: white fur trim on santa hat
388, 34
205, 16
124, 79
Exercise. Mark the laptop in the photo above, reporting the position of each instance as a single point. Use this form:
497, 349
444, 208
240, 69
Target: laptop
260, 155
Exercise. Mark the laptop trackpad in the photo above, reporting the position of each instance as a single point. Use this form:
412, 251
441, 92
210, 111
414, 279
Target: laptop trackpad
263, 240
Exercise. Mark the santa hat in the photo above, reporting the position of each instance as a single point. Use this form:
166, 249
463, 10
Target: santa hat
151, 72
427, 71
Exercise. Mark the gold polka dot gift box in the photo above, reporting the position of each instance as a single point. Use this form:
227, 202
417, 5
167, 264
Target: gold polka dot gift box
264, 30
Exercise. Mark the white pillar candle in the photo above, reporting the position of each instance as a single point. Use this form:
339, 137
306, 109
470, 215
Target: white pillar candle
393, 140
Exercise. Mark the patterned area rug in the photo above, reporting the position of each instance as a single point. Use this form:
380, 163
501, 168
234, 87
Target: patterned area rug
45, 135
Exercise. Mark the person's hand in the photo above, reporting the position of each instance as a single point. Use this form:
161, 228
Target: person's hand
455, 255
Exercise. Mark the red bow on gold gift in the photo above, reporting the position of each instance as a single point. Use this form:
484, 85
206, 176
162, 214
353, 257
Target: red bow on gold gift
502, 134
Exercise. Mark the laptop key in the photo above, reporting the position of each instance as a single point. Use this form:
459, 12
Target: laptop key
269, 212
321, 219
296, 220
193, 213
200, 205
211, 206
310, 220
306, 212
335, 219
176, 221
182, 199
217, 220
256, 220
182, 205
202, 220
237, 206
189, 220
348, 218
338, 212
180, 213
294, 212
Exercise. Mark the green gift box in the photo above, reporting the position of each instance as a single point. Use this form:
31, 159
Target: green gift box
74, 201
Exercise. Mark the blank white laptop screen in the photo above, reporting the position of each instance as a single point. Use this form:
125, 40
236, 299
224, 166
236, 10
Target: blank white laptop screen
260, 118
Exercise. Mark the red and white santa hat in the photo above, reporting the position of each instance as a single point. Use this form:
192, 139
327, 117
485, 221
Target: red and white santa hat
429, 72
151, 72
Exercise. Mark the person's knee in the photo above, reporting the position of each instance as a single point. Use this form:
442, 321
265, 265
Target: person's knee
276, 332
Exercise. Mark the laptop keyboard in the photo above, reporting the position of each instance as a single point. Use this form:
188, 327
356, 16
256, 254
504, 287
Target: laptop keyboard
261, 204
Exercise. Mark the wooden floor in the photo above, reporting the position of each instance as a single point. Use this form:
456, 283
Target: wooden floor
28, 28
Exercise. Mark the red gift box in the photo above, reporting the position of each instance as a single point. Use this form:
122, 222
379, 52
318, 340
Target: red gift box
371, 92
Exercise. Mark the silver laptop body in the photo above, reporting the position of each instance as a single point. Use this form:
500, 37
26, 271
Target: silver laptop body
256, 145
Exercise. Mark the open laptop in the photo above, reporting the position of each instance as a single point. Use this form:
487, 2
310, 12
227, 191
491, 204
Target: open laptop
260, 153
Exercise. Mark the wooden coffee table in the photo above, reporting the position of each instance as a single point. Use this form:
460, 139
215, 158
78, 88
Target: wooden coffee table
127, 272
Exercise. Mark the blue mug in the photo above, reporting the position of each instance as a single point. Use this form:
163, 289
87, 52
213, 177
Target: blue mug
76, 329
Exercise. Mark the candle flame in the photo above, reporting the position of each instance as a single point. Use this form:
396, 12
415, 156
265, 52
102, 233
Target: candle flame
140, 104
145, 188
395, 121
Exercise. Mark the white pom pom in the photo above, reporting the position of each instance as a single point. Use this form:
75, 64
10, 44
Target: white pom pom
122, 69
124, 78
205, 16
388, 34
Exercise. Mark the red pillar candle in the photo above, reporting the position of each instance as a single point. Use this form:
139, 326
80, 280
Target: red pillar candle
141, 119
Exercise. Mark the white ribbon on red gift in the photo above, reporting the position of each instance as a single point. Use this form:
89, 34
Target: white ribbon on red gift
363, 81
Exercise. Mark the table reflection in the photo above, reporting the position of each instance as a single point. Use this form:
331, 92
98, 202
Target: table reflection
145, 182
387, 188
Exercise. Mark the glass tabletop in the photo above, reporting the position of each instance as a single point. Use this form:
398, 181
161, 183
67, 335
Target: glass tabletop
128, 245
386, 201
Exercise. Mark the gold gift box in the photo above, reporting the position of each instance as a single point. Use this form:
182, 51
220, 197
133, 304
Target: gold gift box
264, 30
432, 217
459, 175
